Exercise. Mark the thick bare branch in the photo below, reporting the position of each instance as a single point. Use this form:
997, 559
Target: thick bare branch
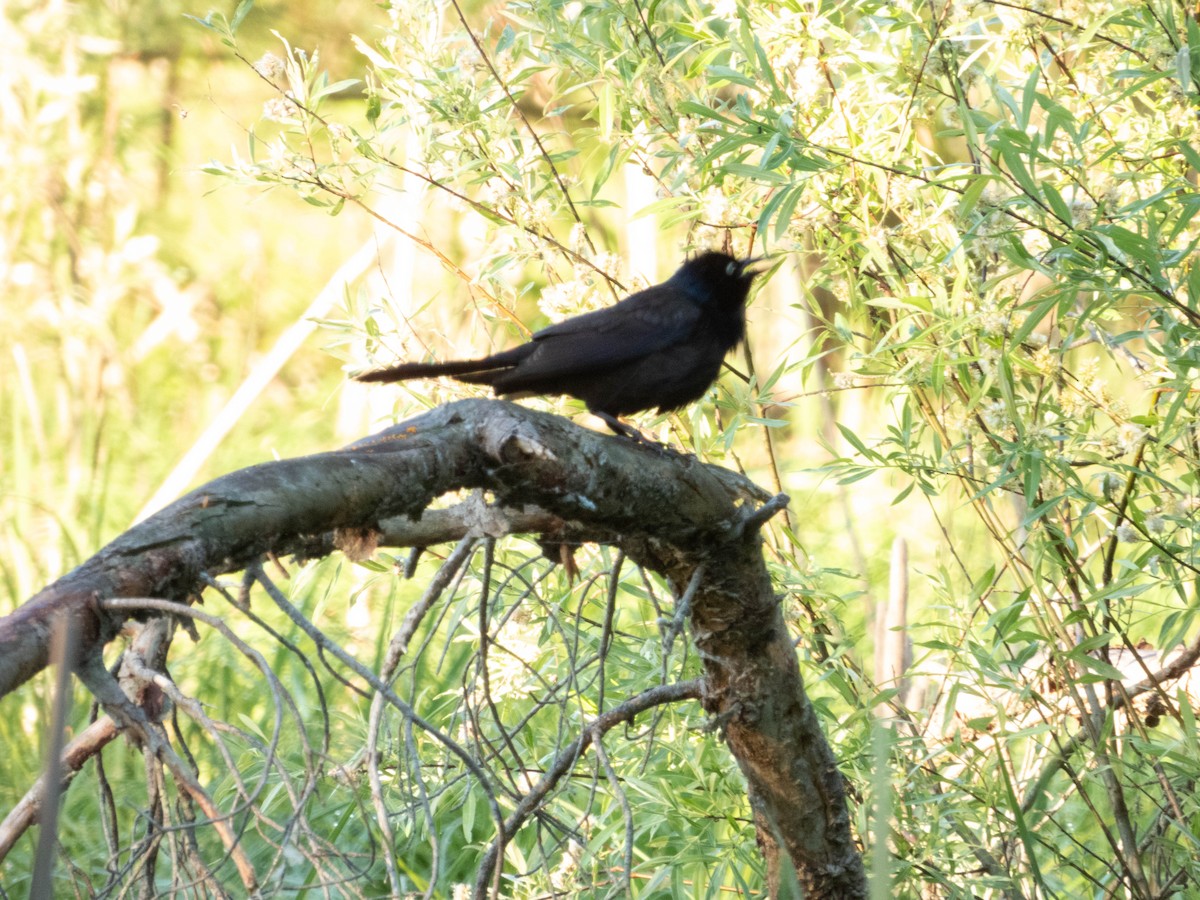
304, 506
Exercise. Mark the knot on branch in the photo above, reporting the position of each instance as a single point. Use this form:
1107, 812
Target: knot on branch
753, 520
511, 439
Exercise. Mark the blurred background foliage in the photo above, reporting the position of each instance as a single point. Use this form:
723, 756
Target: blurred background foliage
980, 337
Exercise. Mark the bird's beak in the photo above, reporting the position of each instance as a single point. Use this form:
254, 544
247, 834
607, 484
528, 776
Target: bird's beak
754, 266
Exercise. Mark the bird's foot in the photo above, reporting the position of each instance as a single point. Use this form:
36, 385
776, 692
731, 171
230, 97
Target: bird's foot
626, 430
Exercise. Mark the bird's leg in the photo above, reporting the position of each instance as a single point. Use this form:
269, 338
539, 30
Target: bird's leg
626, 430
618, 426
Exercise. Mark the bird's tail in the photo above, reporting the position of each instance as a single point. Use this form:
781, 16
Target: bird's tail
473, 371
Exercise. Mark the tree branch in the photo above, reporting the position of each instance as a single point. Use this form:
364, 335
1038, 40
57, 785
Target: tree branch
698, 524
309, 505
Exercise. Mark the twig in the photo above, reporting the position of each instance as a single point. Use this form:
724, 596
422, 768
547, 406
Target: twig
104, 686
625, 712
318, 638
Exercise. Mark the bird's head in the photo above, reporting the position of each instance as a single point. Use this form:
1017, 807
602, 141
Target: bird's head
719, 277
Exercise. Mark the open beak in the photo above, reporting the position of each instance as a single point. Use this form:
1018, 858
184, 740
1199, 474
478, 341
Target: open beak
755, 265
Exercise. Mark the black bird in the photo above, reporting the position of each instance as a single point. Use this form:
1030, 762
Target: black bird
661, 347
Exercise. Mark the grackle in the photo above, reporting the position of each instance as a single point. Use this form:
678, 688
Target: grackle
661, 347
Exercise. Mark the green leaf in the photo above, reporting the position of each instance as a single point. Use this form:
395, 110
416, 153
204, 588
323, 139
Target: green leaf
755, 173
1034, 319
336, 88
207, 21
606, 102
239, 14
1014, 160
972, 194
786, 207
1183, 69
701, 111
1029, 96
506, 39
1095, 642
468, 817
1098, 666
665, 205
854, 441
1057, 205
1033, 476
804, 162
733, 76
1006, 99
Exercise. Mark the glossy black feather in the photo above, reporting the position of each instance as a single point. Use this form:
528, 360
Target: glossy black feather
660, 348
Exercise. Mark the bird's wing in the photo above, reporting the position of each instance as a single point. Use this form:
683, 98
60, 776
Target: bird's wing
645, 323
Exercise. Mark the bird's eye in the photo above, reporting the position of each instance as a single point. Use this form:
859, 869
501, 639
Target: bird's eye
731, 269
